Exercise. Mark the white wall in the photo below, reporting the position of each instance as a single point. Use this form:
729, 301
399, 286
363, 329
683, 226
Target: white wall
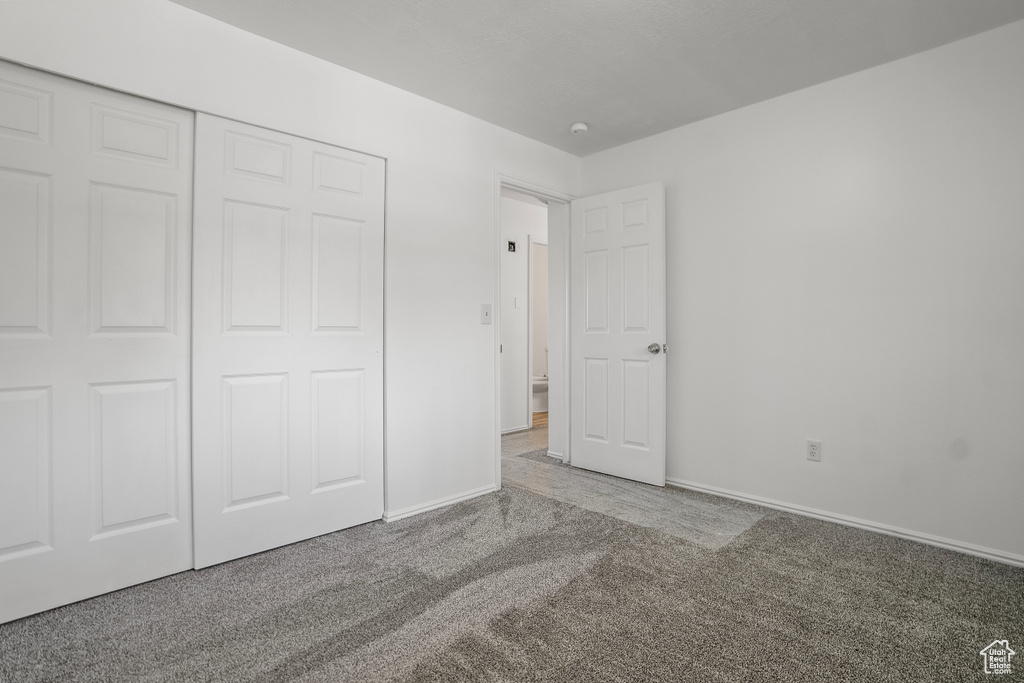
519, 220
539, 325
440, 204
539, 308
846, 263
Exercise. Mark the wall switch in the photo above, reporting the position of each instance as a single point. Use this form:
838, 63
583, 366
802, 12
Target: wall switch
485, 314
814, 450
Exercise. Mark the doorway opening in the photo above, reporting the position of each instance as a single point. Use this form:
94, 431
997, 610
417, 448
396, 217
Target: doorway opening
538, 336
523, 311
617, 317
531, 334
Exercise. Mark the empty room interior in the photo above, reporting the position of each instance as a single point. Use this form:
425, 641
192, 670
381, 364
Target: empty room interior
542, 341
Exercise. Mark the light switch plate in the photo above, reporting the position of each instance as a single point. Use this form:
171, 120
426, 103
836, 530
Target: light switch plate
485, 314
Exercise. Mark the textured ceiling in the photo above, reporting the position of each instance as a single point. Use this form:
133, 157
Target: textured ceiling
628, 68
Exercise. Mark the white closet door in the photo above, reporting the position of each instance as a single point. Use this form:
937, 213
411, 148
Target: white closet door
288, 406
95, 220
618, 332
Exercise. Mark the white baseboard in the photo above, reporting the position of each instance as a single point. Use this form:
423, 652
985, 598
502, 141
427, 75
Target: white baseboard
513, 430
439, 503
556, 454
948, 544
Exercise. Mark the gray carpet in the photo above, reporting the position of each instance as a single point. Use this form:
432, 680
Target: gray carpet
526, 441
515, 586
709, 521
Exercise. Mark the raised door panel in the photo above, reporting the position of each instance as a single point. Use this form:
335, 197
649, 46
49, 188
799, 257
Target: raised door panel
332, 173
135, 455
258, 158
596, 287
255, 439
25, 253
636, 384
339, 416
636, 313
255, 267
596, 399
25, 480
595, 221
26, 112
634, 214
135, 137
133, 245
338, 255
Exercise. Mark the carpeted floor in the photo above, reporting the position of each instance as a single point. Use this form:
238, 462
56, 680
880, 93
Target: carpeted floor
516, 586
526, 441
709, 521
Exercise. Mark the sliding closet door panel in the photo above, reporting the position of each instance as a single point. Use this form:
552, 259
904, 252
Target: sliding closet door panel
95, 249
288, 368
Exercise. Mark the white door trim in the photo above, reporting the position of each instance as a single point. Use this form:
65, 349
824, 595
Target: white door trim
542, 192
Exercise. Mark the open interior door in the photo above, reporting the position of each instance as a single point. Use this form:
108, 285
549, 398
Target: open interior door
617, 359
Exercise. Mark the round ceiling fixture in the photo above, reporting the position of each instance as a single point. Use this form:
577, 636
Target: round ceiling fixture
579, 128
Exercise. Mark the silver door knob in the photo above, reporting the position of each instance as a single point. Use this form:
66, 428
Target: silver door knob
654, 348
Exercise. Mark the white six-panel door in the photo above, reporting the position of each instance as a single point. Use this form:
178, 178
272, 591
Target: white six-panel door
288, 339
617, 376
95, 217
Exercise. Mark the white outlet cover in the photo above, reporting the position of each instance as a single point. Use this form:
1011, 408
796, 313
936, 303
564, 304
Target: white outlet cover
814, 450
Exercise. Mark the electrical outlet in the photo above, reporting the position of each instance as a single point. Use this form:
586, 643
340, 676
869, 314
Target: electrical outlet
814, 450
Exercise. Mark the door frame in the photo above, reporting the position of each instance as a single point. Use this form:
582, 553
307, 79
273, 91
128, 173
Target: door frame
558, 200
